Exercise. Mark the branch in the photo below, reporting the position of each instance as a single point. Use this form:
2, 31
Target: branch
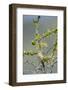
30, 53
47, 34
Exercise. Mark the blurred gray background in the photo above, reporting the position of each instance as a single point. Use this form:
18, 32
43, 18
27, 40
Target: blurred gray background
30, 64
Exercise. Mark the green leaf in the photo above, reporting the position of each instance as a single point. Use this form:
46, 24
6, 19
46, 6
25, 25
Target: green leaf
37, 36
48, 33
55, 31
46, 58
30, 53
43, 44
55, 47
37, 46
33, 42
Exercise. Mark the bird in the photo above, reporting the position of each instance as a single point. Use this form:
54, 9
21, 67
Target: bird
36, 24
36, 21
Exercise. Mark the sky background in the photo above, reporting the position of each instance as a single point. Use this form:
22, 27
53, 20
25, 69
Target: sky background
46, 23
